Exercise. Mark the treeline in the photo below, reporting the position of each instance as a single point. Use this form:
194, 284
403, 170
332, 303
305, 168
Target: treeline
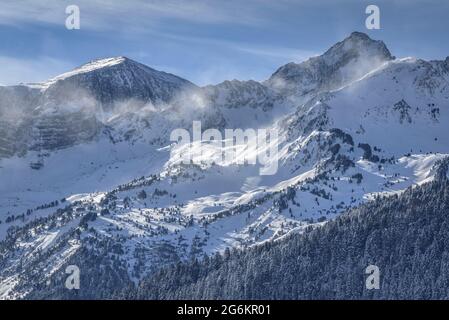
406, 236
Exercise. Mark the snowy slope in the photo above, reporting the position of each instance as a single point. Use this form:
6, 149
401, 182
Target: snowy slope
116, 79
353, 123
343, 63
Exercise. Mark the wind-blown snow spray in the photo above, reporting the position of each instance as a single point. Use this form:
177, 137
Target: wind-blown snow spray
239, 146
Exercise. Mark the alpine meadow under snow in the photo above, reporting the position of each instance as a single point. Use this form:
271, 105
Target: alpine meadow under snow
89, 176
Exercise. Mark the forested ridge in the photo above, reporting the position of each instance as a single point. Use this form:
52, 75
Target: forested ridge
406, 236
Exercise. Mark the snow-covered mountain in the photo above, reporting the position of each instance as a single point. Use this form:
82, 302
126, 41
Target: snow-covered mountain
113, 80
72, 108
89, 176
343, 63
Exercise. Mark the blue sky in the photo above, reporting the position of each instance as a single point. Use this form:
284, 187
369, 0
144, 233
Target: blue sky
206, 41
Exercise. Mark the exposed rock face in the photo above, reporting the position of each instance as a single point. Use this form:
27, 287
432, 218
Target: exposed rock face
69, 109
343, 63
113, 80
236, 94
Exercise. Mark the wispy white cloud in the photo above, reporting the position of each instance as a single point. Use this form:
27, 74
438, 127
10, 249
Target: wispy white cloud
134, 20
288, 54
137, 14
16, 70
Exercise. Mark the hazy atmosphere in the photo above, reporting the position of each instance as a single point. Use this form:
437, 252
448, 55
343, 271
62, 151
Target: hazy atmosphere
206, 41
233, 153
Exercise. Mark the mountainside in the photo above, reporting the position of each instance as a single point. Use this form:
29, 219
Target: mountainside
74, 107
89, 174
114, 80
343, 63
405, 237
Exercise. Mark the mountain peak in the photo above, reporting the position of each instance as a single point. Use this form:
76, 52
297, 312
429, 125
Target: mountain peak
116, 79
108, 61
359, 35
342, 63
358, 45
92, 65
